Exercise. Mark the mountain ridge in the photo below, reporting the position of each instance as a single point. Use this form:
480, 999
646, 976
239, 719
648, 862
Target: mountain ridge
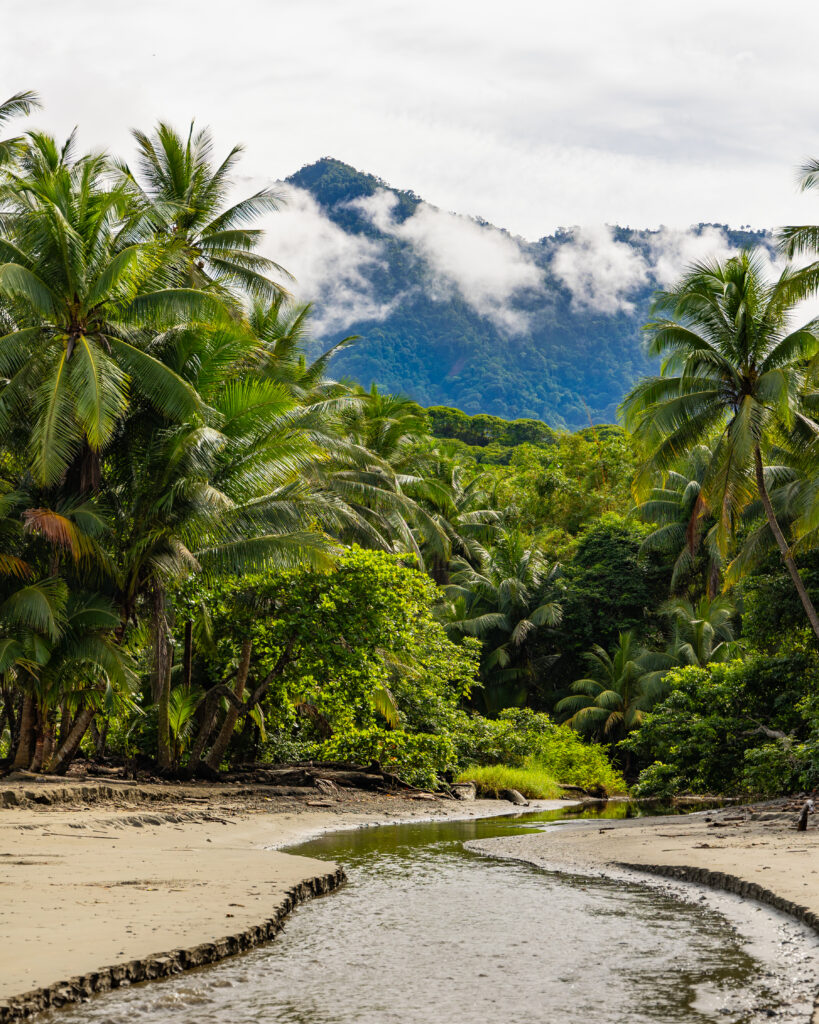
554, 335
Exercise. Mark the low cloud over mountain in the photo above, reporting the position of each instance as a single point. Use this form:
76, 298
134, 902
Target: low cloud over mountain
452, 310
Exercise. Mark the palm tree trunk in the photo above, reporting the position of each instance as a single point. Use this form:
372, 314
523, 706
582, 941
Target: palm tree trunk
187, 660
217, 751
65, 722
205, 729
782, 544
39, 743
49, 733
65, 754
22, 759
162, 680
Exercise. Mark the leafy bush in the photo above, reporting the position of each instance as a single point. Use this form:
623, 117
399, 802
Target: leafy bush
515, 735
769, 770
417, 758
520, 736
659, 780
576, 763
713, 732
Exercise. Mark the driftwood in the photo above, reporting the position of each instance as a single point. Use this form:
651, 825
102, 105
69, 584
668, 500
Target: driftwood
802, 823
326, 776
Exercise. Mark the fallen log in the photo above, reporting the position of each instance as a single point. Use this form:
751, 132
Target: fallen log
308, 773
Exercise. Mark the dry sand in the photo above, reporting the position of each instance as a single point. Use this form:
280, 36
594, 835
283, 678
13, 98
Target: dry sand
90, 884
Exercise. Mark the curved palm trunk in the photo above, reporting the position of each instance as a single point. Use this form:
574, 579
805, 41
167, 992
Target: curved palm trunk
66, 751
39, 743
22, 759
782, 544
220, 745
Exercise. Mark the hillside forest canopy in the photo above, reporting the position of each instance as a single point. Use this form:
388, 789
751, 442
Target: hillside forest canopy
214, 553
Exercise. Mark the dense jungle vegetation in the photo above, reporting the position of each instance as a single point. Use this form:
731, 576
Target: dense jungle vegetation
214, 553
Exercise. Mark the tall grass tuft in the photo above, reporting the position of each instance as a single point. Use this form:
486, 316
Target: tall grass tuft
532, 780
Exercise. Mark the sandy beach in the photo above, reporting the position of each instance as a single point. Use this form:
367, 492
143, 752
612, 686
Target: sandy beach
101, 875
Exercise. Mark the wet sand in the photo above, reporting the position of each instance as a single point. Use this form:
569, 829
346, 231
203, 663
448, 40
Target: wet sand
754, 852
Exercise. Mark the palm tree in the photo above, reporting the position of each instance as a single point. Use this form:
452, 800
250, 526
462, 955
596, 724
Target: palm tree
734, 375
702, 633
462, 508
80, 670
620, 688
184, 199
803, 239
389, 426
683, 522
77, 293
380, 473
231, 495
14, 106
504, 602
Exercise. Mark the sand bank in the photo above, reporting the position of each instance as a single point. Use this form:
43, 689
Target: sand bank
144, 881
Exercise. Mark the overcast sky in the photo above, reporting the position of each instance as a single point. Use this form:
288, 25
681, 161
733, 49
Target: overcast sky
530, 113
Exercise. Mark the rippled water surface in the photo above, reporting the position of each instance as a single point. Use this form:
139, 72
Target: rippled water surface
428, 933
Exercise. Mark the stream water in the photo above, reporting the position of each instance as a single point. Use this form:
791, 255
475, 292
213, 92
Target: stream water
426, 932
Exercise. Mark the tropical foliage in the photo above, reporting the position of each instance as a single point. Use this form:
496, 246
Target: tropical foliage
212, 552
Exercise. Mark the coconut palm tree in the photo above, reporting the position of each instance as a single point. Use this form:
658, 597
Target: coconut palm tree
803, 239
735, 375
233, 494
183, 195
462, 508
684, 525
621, 687
15, 106
702, 633
78, 295
380, 473
504, 602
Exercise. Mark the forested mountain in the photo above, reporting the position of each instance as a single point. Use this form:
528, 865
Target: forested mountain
558, 339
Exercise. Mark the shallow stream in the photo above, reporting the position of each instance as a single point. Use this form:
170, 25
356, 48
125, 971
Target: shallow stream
426, 932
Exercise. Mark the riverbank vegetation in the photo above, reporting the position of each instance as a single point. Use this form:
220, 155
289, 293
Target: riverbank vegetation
214, 554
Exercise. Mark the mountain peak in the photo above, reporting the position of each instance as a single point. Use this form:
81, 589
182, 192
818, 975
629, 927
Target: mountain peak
334, 185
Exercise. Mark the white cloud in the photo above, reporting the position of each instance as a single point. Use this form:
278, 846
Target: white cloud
487, 266
604, 275
600, 273
329, 266
673, 249
553, 114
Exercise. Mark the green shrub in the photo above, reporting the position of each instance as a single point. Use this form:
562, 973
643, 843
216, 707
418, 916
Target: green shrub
521, 736
658, 779
710, 731
417, 758
515, 735
576, 763
769, 770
